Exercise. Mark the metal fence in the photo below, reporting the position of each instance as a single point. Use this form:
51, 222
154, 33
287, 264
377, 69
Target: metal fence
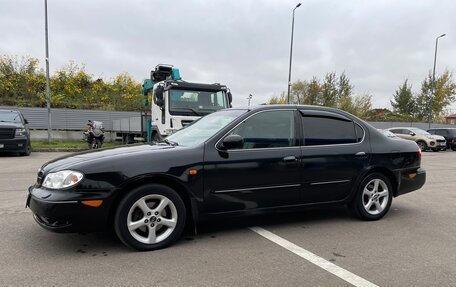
69, 119
423, 126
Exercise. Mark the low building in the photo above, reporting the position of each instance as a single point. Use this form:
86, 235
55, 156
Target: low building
450, 119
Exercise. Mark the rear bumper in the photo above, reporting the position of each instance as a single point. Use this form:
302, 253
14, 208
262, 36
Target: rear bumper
13, 145
56, 212
411, 181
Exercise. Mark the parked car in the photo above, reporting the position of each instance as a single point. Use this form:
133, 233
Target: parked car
424, 139
14, 133
229, 163
448, 133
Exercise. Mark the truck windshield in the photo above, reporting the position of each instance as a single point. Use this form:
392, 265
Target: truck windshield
201, 130
11, 117
196, 103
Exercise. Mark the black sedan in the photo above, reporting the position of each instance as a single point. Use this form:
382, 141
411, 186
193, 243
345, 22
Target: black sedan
232, 162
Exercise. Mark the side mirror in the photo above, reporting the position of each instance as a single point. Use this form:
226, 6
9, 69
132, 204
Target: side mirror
232, 142
230, 98
412, 134
158, 95
25, 121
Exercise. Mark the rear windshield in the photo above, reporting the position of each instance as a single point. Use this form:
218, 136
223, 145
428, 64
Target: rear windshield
10, 117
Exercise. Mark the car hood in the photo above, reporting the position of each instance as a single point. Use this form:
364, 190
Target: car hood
436, 137
101, 154
11, 125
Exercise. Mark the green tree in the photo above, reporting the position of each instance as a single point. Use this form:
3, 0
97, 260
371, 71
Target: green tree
403, 101
21, 82
329, 90
444, 96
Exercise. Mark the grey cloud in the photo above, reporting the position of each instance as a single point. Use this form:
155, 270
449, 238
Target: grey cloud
244, 44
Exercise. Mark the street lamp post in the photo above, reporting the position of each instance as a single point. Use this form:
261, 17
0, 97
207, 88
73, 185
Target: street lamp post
48, 89
432, 95
291, 53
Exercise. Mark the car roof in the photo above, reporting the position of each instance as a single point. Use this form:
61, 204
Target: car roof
11, 111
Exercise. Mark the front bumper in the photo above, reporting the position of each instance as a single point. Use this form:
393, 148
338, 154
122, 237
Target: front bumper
62, 211
410, 181
13, 145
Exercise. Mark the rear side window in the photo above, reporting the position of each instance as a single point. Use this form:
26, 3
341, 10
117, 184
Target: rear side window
270, 129
330, 131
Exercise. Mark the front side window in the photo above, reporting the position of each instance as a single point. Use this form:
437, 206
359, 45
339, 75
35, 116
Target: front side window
270, 129
319, 130
196, 103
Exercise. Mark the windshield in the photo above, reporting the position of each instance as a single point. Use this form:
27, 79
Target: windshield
201, 130
11, 117
196, 103
388, 133
420, 132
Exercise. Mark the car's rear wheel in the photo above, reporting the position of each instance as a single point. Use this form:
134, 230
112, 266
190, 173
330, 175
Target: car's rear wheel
422, 145
150, 217
374, 197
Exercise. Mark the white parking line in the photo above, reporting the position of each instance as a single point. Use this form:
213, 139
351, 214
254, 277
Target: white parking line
317, 260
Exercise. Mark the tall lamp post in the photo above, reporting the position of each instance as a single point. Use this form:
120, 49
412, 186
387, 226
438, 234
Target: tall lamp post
432, 95
48, 90
291, 53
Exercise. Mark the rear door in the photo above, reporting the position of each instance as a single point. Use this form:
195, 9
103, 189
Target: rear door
335, 151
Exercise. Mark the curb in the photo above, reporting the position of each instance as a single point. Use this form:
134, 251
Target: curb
58, 149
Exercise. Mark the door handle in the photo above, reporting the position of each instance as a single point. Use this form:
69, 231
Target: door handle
360, 154
290, 159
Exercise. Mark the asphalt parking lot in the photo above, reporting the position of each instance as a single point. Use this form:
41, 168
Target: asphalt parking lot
414, 245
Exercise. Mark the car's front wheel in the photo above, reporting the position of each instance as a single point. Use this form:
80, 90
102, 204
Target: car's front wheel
422, 145
374, 197
150, 217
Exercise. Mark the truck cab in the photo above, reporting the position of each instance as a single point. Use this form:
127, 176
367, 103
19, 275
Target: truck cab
177, 103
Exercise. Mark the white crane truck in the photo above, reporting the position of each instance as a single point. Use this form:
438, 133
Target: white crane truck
175, 104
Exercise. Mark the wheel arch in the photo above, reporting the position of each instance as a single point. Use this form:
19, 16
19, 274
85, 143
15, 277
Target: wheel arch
376, 169
182, 191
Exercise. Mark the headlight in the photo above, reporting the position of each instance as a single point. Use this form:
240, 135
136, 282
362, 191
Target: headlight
430, 137
62, 179
20, 132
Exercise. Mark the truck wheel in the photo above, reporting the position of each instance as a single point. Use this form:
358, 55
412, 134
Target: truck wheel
374, 197
422, 145
150, 217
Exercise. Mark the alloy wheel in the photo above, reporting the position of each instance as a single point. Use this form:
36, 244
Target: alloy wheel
152, 219
375, 196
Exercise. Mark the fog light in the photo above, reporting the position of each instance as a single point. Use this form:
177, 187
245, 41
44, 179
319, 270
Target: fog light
412, 175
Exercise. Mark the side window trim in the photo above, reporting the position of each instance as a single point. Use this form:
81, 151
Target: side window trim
327, 114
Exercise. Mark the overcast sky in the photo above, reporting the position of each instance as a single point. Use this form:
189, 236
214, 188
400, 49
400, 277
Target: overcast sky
243, 44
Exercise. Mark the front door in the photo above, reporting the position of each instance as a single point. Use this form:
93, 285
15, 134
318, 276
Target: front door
263, 173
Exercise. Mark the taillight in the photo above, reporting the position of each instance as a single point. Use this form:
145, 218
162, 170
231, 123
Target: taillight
419, 153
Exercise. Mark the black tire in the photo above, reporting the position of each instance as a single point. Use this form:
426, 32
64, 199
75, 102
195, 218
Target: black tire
436, 150
357, 205
150, 190
97, 143
28, 150
453, 148
422, 145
